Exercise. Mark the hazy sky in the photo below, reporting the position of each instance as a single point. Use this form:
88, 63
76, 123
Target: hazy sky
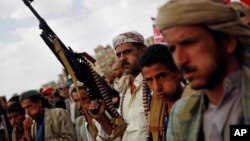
26, 62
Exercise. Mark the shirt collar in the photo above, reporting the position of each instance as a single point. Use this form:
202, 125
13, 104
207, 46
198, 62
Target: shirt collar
40, 118
231, 82
138, 80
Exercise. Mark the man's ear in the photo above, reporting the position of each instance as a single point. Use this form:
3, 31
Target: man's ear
142, 49
231, 45
40, 102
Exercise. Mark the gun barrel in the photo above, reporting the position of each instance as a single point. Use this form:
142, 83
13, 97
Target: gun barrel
43, 24
81, 68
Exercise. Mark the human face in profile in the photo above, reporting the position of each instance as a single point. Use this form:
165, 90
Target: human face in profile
31, 108
197, 55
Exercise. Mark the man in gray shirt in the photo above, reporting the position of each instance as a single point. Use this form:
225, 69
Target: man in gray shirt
209, 46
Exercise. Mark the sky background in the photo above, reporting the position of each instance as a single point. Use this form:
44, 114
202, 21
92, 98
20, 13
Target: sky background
26, 61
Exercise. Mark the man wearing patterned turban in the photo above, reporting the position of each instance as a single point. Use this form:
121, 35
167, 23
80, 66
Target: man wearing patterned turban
129, 47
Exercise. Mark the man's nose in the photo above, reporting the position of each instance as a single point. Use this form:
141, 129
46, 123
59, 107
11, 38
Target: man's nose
180, 57
12, 120
27, 111
122, 58
157, 86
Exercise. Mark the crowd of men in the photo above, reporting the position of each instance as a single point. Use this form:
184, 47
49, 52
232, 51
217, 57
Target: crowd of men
191, 88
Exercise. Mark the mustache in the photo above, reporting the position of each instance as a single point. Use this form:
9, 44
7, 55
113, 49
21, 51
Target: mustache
125, 63
187, 69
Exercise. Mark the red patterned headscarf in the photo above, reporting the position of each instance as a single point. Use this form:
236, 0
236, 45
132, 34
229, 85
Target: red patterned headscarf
128, 37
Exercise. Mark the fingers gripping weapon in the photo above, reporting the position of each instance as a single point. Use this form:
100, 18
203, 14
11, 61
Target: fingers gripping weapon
78, 65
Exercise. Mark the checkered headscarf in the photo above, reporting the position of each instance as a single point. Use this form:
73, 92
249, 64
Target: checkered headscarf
128, 37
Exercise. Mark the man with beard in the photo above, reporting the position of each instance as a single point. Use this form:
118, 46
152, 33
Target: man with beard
162, 77
209, 46
129, 48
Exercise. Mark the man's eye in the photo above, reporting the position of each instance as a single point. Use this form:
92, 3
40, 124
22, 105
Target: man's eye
126, 52
162, 76
148, 80
118, 55
188, 42
15, 116
82, 99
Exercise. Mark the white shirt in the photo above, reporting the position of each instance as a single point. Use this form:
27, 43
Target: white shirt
82, 130
120, 83
133, 113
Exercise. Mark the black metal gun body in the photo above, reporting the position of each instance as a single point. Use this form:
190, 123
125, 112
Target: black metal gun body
77, 61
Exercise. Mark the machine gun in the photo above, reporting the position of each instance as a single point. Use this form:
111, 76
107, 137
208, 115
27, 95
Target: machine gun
79, 64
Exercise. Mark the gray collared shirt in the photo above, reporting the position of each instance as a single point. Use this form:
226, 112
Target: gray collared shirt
218, 118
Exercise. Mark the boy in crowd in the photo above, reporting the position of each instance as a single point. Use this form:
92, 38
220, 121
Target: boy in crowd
163, 78
16, 116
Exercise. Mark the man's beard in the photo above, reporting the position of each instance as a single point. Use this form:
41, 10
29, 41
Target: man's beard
217, 75
133, 71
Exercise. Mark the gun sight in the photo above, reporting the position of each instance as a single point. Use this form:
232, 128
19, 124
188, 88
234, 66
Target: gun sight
27, 2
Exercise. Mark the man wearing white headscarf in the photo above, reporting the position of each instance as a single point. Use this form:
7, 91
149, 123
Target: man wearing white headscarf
209, 46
